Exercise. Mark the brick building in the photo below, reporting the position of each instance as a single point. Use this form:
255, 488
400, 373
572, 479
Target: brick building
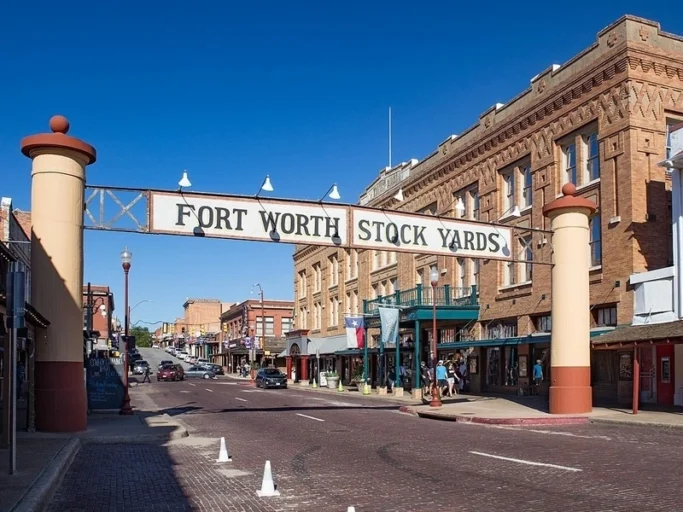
200, 326
600, 121
98, 308
243, 322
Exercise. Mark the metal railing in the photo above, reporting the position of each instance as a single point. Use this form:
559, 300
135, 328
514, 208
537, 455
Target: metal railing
424, 296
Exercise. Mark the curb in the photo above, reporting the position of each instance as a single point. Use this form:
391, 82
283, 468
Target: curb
529, 422
605, 421
41, 490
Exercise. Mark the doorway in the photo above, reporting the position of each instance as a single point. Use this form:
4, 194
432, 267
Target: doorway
665, 374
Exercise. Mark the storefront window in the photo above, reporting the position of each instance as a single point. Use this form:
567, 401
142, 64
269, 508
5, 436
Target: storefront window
493, 368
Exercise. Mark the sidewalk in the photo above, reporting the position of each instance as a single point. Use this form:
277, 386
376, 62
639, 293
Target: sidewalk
407, 398
43, 458
533, 411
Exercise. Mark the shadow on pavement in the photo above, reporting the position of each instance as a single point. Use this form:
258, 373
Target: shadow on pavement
131, 463
176, 411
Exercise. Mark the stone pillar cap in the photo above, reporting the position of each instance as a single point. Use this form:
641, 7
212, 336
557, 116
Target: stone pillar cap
58, 139
569, 201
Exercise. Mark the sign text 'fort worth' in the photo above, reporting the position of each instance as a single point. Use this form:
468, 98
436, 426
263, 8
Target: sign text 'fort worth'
313, 223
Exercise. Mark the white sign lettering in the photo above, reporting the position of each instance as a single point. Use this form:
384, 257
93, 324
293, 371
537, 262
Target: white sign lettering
391, 231
248, 219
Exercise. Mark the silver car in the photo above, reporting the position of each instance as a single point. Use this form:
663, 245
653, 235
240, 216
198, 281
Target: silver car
197, 372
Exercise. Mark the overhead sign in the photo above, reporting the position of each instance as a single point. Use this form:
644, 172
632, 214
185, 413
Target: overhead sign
389, 231
248, 219
309, 223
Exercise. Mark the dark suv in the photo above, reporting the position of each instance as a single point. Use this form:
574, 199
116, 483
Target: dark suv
270, 378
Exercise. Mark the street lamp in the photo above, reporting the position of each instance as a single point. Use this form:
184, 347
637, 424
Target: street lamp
126, 257
263, 322
434, 277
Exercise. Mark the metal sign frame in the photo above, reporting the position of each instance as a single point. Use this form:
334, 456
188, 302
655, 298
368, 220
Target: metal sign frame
99, 200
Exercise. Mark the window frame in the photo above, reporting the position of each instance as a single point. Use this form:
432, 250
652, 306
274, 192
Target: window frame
595, 224
569, 174
527, 184
592, 161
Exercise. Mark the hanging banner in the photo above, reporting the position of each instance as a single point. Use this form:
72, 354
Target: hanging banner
389, 326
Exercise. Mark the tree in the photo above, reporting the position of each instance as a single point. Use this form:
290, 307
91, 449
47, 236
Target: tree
143, 338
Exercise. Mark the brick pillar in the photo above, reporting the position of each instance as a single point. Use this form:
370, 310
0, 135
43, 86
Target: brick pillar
57, 187
570, 372
304, 369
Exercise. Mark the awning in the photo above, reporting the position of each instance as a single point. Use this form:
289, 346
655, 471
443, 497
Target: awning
496, 342
637, 335
328, 345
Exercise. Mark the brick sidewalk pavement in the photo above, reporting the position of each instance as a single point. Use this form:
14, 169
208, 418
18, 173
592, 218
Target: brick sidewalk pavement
179, 477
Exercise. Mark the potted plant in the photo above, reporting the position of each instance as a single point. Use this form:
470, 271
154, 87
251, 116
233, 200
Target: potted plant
358, 377
332, 379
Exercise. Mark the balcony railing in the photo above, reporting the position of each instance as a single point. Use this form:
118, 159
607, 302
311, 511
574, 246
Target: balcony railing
424, 296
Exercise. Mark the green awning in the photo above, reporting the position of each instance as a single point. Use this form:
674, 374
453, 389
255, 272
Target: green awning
515, 340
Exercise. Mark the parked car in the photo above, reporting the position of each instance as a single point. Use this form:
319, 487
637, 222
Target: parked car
192, 360
270, 378
202, 361
140, 367
164, 363
170, 372
197, 372
215, 368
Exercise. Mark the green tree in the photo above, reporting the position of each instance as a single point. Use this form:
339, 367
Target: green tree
143, 338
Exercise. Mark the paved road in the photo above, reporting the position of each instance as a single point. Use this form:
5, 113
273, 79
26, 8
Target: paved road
154, 356
332, 451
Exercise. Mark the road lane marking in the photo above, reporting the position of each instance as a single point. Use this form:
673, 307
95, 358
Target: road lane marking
252, 391
241, 399
554, 433
191, 384
309, 417
527, 462
184, 391
209, 390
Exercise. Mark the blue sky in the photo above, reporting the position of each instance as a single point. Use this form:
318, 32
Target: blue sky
298, 90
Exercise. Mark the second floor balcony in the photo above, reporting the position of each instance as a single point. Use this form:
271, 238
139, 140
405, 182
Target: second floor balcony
425, 296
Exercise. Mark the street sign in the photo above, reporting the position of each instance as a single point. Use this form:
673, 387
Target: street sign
310, 223
245, 218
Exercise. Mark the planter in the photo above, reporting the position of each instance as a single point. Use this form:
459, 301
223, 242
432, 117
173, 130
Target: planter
332, 382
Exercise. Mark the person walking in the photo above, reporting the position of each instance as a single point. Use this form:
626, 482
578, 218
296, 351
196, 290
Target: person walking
146, 377
441, 375
537, 375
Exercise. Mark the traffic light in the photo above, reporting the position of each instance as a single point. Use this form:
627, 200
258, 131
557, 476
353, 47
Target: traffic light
202, 330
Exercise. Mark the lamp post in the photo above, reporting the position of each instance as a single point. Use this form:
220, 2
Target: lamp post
263, 322
126, 257
434, 277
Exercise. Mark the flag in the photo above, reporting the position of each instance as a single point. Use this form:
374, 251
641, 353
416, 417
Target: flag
354, 326
389, 325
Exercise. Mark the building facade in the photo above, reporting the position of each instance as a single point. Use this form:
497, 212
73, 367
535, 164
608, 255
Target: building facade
200, 326
251, 321
98, 308
15, 255
600, 121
